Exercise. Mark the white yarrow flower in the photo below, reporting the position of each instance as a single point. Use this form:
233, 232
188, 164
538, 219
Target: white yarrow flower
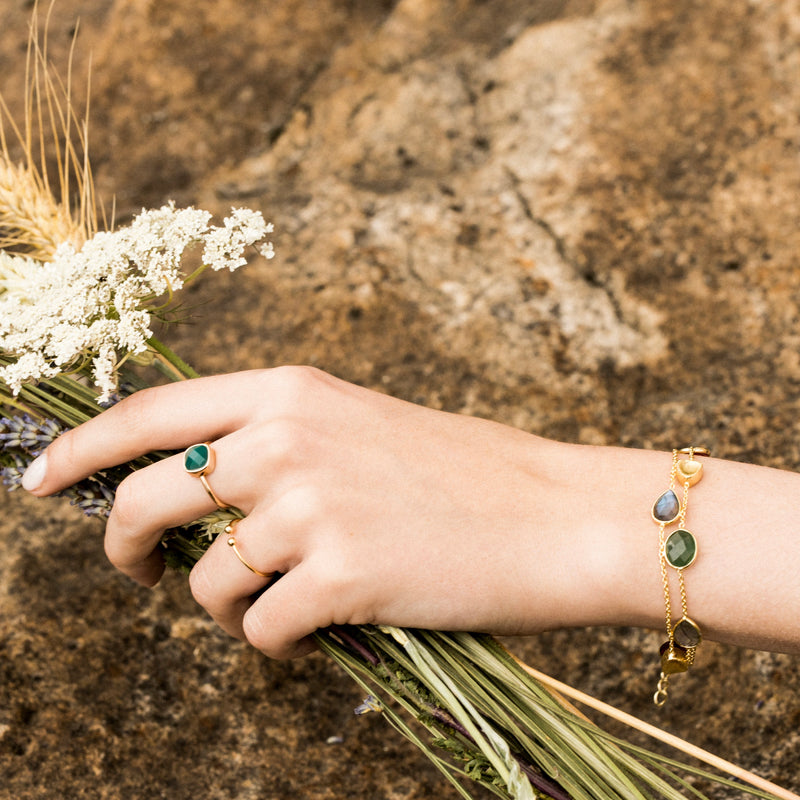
13, 272
225, 246
95, 303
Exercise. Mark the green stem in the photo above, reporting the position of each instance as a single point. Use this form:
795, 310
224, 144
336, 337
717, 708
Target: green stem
9, 403
199, 271
54, 406
182, 369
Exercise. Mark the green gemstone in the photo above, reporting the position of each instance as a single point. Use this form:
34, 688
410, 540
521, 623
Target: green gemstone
680, 549
196, 458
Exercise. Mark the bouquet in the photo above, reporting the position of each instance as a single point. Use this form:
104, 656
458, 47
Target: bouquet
77, 301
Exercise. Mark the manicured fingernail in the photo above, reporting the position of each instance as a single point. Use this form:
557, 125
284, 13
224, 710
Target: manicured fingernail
34, 475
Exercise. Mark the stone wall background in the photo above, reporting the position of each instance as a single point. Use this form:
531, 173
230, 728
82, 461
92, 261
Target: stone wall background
577, 217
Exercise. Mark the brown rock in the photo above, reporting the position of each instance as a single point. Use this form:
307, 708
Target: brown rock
576, 217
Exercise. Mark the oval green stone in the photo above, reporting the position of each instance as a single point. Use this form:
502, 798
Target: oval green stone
680, 549
196, 458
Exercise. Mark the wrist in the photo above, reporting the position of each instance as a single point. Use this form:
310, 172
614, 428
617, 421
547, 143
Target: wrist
599, 501
741, 588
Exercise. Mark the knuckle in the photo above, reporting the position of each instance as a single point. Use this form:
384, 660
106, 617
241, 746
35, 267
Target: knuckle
123, 530
300, 508
127, 503
349, 593
133, 413
282, 440
257, 633
118, 547
201, 586
67, 451
337, 583
266, 637
332, 579
290, 385
66, 446
112, 552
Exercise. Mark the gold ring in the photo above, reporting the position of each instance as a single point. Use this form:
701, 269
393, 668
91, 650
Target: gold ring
199, 460
229, 529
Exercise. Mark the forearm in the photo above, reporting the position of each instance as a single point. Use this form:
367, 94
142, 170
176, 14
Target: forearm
741, 589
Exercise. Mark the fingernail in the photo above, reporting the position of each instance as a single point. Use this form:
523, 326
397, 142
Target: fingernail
34, 475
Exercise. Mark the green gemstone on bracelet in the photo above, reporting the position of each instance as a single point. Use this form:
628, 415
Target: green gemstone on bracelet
680, 549
667, 508
197, 458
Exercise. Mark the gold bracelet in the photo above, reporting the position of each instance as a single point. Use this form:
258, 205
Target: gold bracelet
679, 551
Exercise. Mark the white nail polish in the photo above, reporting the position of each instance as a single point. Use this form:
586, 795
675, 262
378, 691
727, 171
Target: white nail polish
34, 475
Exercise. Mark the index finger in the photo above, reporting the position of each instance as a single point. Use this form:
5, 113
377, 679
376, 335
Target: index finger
167, 417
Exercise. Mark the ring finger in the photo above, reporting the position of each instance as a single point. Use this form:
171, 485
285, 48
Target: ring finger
233, 571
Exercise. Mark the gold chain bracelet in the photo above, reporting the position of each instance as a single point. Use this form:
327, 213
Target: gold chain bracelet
679, 551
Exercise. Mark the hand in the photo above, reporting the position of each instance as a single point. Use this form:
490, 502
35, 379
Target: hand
374, 509
380, 511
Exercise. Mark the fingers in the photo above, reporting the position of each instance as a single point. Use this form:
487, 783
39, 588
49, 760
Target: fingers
254, 606
164, 495
147, 503
268, 429
168, 417
174, 417
268, 627
254, 467
246, 604
226, 578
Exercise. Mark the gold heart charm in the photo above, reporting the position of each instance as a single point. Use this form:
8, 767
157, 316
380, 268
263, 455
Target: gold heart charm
674, 659
689, 471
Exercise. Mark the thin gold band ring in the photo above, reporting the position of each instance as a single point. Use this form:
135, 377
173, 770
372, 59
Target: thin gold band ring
229, 529
211, 494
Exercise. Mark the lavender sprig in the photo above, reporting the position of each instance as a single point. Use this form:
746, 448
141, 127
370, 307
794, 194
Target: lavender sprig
23, 438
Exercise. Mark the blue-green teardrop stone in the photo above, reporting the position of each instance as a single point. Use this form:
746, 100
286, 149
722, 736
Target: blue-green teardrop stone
667, 507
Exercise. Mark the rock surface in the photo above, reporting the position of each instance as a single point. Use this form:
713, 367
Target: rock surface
577, 217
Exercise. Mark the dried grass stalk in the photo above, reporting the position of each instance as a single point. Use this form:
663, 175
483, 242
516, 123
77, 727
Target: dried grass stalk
53, 147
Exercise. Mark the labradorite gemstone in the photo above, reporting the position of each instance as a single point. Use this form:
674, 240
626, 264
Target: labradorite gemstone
196, 458
667, 507
680, 549
686, 633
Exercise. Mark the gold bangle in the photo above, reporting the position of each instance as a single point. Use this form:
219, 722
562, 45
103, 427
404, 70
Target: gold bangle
679, 551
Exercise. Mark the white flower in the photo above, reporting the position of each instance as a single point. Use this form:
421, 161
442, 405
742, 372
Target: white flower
267, 250
94, 304
13, 272
224, 247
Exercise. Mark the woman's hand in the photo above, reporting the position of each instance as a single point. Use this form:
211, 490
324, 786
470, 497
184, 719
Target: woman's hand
373, 509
